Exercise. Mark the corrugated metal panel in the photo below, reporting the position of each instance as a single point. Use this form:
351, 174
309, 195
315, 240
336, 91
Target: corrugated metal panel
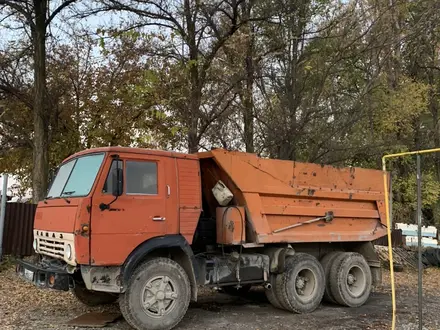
18, 235
396, 239
190, 197
189, 183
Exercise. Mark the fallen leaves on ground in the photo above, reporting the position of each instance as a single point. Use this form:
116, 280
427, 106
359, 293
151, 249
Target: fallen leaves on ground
21, 304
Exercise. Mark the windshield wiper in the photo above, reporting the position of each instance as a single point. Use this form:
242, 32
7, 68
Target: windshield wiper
68, 192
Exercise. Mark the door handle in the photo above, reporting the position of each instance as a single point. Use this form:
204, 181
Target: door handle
158, 218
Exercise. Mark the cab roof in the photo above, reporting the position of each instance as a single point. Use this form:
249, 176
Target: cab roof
130, 150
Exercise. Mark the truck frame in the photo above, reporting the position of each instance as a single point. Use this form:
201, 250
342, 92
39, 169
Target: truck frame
148, 227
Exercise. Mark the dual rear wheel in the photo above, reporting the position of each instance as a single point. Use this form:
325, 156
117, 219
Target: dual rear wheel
349, 280
340, 277
299, 288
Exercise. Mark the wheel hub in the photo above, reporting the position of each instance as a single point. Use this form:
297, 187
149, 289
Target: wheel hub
351, 279
300, 283
159, 296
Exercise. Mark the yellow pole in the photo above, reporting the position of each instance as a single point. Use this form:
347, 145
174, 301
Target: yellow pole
420, 152
389, 222
390, 245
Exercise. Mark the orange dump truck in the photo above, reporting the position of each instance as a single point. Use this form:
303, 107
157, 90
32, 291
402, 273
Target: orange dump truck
149, 227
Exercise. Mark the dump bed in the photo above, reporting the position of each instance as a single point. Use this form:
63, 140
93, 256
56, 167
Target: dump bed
277, 194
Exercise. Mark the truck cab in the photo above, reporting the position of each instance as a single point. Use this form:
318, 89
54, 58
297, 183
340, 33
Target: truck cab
105, 202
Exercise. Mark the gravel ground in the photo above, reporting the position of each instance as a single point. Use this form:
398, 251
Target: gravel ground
22, 306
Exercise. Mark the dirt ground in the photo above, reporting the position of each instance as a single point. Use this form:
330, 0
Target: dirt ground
22, 306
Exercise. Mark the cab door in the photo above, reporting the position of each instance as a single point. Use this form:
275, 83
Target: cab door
120, 224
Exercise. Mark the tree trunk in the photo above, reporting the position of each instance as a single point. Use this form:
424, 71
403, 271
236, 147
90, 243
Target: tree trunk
248, 101
433, 108
41, 145
194, 79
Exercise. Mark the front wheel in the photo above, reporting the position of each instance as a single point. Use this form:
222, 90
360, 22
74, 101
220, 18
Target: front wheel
157, 296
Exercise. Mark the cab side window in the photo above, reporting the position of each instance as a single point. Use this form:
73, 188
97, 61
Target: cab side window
141, 177
108, 185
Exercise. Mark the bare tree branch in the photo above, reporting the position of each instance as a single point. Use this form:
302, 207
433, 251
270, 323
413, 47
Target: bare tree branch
58, 10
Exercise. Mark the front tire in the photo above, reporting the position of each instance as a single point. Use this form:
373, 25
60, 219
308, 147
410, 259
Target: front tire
93, 298
157, 296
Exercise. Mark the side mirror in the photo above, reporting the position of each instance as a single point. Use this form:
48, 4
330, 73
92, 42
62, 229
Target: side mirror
118, 182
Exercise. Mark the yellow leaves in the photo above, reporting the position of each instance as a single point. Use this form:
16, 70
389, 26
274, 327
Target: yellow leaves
403, 105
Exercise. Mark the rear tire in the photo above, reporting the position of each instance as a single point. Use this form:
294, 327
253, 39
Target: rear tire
350, 279
157, 295
93, 298
303, 283
280, 291
271, 294
327, 262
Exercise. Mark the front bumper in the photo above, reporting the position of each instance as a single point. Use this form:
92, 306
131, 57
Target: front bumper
44, 276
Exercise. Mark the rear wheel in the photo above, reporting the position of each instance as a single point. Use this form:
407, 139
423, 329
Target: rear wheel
271, 294
280, 289
157, 296
93, 298
327, 262
350, 279
303, 283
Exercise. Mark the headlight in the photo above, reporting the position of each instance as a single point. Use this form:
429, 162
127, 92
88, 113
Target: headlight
35, 245
68, 252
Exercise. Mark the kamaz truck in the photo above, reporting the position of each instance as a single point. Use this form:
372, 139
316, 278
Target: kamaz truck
147, 228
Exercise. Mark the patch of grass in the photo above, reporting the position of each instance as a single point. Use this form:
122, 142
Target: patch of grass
6, 263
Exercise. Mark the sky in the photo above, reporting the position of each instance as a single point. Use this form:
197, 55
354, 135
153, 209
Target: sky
11, 181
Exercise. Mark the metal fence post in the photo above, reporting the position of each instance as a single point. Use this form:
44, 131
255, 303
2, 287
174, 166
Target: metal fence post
419, 243
3, 211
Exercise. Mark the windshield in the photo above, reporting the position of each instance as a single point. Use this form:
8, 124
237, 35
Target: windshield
76, 177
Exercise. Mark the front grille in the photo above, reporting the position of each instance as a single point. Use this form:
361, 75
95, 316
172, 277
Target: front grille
51, 244
51, 247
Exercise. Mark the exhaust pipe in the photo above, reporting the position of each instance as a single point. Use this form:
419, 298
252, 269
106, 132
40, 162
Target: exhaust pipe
268, 286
